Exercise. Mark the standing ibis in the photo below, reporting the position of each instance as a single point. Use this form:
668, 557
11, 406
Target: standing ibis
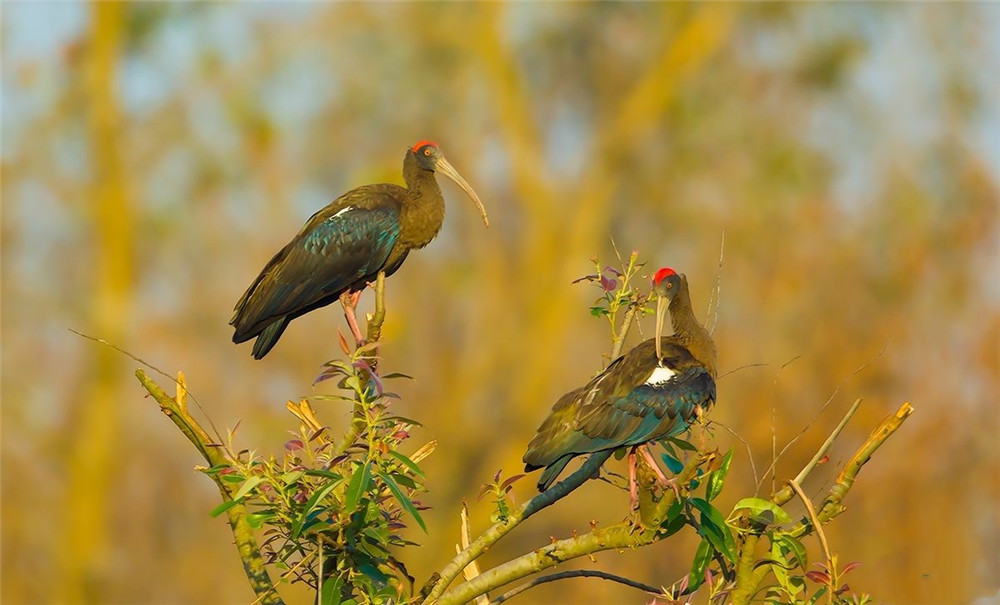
651, 393
344, 246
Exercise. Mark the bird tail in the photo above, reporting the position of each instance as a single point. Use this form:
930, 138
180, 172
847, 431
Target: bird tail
551, 472
269, 337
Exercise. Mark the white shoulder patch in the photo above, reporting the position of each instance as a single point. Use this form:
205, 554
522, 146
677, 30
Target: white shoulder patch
343, 211
660, 375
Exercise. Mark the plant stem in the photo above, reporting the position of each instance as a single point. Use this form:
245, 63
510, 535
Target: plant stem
617, 536
246, 543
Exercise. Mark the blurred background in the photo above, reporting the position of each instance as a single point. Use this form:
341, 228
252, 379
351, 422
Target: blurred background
155, 156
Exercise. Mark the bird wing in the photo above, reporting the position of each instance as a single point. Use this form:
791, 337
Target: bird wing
618, 407
339, 246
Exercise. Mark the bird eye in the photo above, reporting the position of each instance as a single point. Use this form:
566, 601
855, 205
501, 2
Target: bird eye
670, 285
427, 151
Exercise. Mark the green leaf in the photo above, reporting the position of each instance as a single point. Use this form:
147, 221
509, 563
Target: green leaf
373, 572
404, 480
795, 546
228, 504
330, 595
392, 375
716, 530
718, 477
316, 497
405, 460
702, 558
250, 483
358, 486
684, 445
758, 505
672, 463
403, 500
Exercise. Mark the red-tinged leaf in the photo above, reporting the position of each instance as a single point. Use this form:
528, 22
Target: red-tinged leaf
343, 342
485, 490
227, 471
400, 435
294, 444
850, 566
818, 576
613, 271
509, 482
496, 477
592, 277
318, 432
824, 459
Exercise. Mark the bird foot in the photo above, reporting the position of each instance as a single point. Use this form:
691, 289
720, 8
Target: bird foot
349, 300
660, 477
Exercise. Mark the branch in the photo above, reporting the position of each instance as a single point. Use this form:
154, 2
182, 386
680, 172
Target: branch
845, 480
617, 536
785, 494
748, 578
176, 410
501, 528
376, 319
577, 573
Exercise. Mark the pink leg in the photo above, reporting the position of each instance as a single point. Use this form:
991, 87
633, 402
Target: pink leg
671, 483
349, 300
633, 490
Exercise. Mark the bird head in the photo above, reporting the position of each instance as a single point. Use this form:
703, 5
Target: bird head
429, 157
666, 285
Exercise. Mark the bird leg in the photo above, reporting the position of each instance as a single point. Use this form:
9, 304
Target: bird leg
633, 490
349, 300
664, 482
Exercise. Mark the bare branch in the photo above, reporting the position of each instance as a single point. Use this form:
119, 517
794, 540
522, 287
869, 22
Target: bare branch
246, 543
577, 573
782, 497
619, 535
501, 528
819, 531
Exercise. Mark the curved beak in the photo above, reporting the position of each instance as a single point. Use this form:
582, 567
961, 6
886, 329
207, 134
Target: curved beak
661, 311
442, 166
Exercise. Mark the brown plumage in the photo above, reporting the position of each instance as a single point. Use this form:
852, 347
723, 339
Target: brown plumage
344, 246
640, 397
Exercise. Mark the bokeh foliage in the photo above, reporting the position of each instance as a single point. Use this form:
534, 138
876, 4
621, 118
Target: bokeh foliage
155, 155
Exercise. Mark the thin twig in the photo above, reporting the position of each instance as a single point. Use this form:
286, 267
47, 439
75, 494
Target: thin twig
246, 543
830, 564
743, 367
577, 573
780, 497
774, 426
187, 393
753, 466
717, 291
820, 412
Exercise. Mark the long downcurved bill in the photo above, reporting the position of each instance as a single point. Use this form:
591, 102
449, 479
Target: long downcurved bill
661, 310
449, 171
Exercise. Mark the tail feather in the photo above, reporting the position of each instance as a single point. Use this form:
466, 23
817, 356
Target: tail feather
269, 337
552, 471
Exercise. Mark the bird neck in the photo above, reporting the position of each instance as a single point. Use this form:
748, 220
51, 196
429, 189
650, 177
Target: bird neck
687, 329
422, 213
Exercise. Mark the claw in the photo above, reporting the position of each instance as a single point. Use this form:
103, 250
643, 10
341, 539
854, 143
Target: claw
661, 478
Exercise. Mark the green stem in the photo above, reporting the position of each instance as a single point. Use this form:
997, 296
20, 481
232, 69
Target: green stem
620, 535
246, 543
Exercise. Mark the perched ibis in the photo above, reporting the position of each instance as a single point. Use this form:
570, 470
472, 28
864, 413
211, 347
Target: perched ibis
653, 392
344, 246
